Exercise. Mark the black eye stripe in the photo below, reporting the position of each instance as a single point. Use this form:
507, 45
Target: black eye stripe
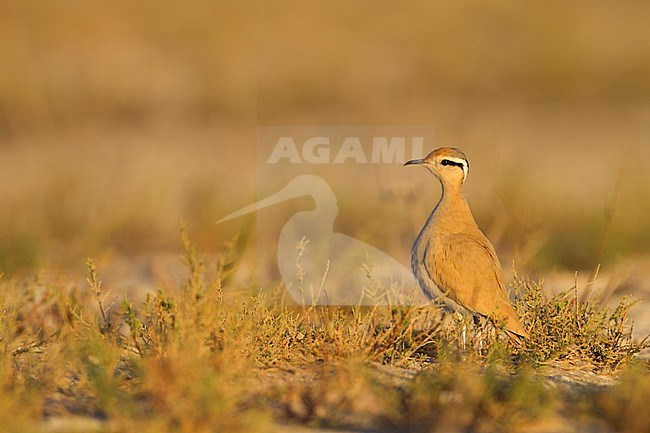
449, 162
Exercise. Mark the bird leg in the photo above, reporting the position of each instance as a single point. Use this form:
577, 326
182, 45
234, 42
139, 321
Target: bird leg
479, 334
463, 333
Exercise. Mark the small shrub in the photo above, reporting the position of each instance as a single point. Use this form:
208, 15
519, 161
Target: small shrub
562, 328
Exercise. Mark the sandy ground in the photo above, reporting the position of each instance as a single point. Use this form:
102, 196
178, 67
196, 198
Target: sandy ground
572, 379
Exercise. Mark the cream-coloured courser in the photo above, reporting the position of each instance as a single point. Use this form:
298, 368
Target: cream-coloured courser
451, 258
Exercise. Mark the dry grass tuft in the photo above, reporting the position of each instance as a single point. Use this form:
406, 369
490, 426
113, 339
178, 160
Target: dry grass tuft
207, 357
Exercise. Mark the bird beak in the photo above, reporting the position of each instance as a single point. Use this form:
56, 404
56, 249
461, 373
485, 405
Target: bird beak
282, 195
414, 162
298, 187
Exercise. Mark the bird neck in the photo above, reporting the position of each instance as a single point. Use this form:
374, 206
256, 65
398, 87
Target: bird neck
453, 205
451, 193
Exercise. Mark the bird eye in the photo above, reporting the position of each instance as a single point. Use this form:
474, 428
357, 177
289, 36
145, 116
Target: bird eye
450, 162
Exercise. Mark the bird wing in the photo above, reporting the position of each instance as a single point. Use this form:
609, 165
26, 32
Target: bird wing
467, 270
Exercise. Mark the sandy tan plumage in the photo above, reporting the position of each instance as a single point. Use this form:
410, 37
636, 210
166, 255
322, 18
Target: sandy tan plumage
451, 258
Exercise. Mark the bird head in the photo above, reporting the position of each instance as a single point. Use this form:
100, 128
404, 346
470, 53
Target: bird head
447, 163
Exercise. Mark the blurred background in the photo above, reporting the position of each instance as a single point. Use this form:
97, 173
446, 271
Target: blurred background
118, 119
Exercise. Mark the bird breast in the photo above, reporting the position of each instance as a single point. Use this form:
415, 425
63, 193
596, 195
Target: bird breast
422, 263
